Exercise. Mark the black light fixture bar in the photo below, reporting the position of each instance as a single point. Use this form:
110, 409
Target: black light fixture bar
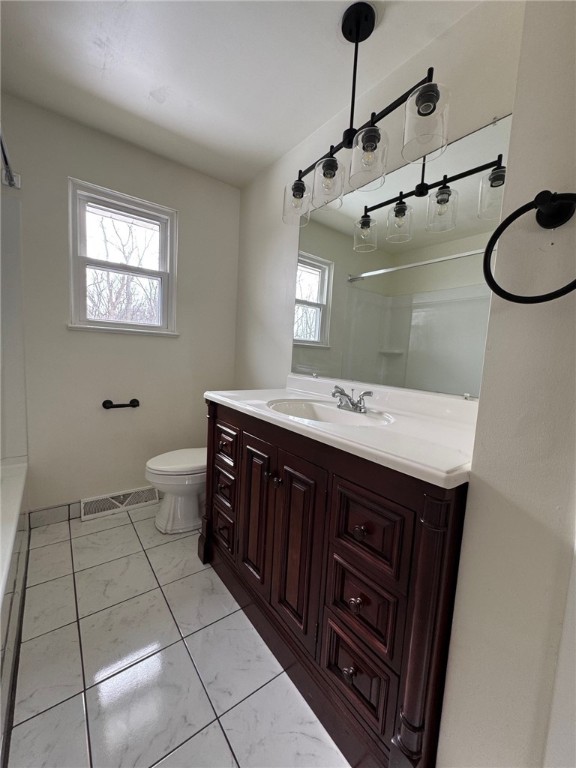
8, 173
375, 118
444, 180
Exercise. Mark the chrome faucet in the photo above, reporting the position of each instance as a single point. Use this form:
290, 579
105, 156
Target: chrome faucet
347, 403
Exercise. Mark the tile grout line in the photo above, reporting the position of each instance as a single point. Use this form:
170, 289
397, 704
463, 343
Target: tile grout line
180, 639
16, 662
84, 699
219, 716
192, 662
105, 562
196, 668
54, 629
52, 706
147, 591
133, 664
282, 672
114, 605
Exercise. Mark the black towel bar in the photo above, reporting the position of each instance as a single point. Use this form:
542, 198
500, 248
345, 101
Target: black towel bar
109, 404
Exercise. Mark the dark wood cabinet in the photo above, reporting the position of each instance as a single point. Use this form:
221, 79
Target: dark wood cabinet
348, 570
298, 534
256, 511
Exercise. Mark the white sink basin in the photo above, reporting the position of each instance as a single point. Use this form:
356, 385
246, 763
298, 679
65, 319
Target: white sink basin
323, 411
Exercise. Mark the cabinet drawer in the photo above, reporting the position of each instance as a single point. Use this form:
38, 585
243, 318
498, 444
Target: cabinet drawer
225, 489
367, 685
372, 531
226, 447
367, 609
223, 528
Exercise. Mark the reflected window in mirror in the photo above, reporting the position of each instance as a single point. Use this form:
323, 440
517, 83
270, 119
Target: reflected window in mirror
313, 300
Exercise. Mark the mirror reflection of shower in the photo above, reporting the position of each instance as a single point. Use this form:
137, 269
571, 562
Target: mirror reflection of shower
422, 327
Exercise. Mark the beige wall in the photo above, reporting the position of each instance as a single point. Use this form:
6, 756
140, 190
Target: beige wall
519, 533
13, 380
76, 448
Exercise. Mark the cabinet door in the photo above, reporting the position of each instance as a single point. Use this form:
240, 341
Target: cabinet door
298, 536
255, 512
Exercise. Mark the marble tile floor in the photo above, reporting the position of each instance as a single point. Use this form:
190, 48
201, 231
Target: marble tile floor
134, 653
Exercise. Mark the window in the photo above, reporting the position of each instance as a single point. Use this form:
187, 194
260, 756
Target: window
313, 294
123, 262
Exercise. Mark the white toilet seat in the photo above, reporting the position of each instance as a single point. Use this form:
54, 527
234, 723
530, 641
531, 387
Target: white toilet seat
186, 461
181, 476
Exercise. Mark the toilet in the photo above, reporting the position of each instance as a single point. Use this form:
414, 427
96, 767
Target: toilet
181, 476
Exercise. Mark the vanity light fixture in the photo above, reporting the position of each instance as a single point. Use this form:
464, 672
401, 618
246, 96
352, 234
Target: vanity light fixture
365, 234
426, 124
399, 228
442, 207
442, 203
368, 161
328, 182
296, 204
491, 193
424, 135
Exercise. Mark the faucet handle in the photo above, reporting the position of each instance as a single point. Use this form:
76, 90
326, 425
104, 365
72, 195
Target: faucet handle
337, 391
360, 402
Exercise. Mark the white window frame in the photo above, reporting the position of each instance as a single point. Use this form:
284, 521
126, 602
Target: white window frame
80, 194
325, 305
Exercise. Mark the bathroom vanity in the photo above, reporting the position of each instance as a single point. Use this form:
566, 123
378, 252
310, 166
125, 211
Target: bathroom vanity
340, 534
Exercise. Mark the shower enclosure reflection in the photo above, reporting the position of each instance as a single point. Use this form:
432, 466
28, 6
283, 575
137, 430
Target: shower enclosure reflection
422, 327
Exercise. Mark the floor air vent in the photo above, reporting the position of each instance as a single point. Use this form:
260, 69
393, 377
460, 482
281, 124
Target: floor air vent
98, 506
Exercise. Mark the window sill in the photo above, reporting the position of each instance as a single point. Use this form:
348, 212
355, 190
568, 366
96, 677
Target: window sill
129, 331
315, 344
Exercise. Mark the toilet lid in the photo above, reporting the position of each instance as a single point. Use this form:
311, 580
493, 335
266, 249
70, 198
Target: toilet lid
186, 461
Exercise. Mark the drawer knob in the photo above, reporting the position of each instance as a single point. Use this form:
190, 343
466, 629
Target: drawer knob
349, 674
355, 604
360, 532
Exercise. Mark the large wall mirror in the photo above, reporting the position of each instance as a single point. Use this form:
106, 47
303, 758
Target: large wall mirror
421, 327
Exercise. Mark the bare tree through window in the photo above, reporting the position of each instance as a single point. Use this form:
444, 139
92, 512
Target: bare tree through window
115, 295
312, 288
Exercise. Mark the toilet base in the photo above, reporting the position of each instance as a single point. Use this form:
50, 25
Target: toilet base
179, 514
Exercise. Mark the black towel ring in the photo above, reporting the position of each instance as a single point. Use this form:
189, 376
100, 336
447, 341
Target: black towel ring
552, 210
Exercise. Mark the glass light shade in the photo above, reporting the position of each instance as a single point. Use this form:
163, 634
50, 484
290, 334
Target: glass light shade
442, 210
296, 209
368, 163
491, 194
328, 183
365, 235
426, 123
399, 227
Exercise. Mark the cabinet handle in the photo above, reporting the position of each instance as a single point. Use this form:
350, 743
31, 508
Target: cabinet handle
221, 488
355, 604
349, 673
221, 445
277, 481
360, 532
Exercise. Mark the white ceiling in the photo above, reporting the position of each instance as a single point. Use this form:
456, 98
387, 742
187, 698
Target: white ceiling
224, 87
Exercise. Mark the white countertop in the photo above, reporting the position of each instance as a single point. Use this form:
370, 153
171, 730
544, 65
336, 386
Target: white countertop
430, 437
